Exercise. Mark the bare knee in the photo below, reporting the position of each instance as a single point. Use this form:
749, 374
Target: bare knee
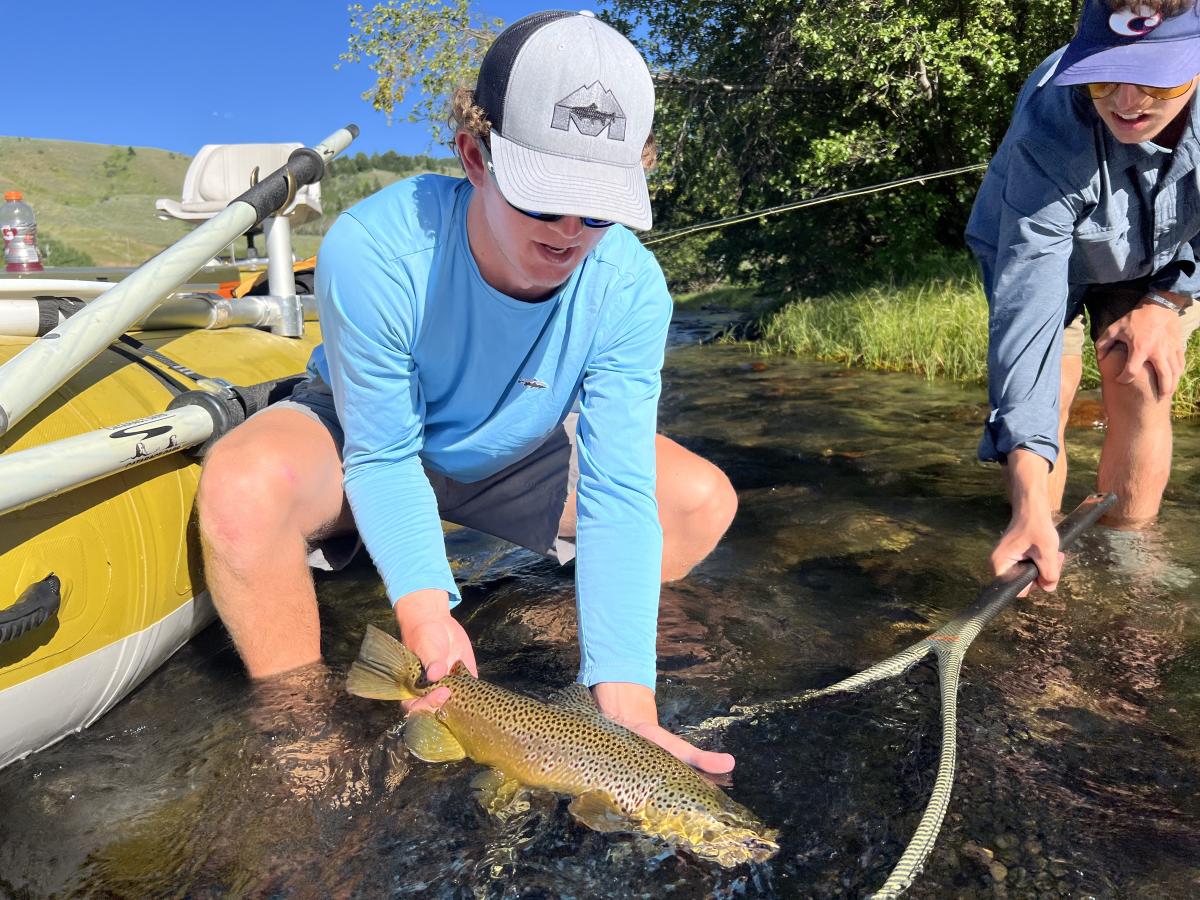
694, 495
260, 482
241, 495
1136, 400
713, 500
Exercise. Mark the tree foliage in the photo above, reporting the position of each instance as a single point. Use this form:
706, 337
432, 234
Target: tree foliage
431, 45
764, 102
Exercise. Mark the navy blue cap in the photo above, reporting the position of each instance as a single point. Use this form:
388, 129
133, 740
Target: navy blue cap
1132, 46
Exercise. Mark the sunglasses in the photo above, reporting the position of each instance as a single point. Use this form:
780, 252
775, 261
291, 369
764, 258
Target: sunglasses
588, 221
1098, 90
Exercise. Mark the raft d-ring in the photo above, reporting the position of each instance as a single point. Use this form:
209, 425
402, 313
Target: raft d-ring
254, 176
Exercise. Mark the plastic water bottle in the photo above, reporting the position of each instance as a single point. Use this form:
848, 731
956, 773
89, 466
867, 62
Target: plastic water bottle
19, 229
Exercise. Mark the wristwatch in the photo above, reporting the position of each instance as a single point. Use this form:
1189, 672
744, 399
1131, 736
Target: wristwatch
1160, 300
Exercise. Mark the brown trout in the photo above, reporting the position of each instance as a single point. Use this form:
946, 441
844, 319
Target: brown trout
619, 781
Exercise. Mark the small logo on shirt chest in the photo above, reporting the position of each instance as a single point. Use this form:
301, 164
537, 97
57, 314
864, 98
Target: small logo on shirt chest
533, 383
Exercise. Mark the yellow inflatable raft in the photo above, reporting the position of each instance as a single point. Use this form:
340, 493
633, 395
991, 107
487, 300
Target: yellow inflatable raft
123, 548
106, 386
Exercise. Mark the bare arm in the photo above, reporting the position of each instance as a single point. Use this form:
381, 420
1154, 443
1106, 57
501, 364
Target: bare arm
1030, 533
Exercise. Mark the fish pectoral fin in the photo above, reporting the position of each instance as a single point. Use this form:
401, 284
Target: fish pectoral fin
498, 794
578, 698
431, 741
596, 810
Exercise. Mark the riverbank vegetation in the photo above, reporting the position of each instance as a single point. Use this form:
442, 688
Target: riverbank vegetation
934, 326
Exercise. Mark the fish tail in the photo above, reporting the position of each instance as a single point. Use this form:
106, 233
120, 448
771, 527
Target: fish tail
385, 669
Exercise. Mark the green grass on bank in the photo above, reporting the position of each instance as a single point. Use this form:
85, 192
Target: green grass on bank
935, 326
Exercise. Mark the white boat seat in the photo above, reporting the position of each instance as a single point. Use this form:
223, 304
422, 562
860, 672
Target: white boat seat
220, 173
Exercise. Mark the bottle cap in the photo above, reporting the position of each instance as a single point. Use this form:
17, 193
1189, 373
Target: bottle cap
13, 195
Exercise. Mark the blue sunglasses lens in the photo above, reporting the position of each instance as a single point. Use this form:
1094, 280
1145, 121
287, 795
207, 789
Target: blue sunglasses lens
552, 217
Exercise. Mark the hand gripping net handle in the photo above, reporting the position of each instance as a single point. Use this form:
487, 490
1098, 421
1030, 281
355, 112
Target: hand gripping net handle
949, 643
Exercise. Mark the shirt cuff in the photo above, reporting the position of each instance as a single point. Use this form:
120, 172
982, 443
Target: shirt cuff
627, 670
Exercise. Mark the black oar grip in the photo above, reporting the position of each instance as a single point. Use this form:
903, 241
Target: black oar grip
304, 166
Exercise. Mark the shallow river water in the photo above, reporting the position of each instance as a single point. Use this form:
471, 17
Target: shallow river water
864, 523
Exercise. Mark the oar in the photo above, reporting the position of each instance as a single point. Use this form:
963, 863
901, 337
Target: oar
46, 364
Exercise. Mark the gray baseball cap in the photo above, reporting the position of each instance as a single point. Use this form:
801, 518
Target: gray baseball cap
571, 104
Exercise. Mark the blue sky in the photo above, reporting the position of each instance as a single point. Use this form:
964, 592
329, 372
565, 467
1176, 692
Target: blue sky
177, 75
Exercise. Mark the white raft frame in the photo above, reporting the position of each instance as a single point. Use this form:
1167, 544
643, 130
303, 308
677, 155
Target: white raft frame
32, 714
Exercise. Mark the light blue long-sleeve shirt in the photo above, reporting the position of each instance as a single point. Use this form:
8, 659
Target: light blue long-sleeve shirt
427, 363
1064, 206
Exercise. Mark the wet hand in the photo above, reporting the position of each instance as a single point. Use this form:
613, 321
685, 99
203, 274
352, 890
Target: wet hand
633, 706
1033, 538
429, 630
1151, 338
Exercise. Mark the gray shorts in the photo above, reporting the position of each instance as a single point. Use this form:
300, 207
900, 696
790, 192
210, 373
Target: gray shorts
1105, 303
522, 504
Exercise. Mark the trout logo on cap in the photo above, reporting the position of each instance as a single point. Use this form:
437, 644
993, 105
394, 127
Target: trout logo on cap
592, 108
1134, 22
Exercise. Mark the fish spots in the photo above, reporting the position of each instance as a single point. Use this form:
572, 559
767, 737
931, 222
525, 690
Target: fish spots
571, 749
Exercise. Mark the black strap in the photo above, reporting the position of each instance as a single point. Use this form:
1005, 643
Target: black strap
50, 309
144, 352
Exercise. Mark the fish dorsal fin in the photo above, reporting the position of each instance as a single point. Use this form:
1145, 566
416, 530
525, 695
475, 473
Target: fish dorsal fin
429, 740
383, 670
596, 810
459, 669
578, 698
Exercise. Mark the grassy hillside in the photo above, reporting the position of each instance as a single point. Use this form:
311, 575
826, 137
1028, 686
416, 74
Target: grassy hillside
99, 199
96, 198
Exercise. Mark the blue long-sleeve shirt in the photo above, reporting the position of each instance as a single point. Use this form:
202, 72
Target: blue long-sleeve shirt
426, 361
1063, 206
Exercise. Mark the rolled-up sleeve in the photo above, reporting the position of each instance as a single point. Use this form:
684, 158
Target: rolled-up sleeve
1025, 259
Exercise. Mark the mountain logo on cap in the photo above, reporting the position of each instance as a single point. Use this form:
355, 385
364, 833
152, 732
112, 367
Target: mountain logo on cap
592, 108
1134, 22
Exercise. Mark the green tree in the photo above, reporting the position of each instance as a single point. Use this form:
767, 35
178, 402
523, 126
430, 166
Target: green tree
431, 45
56, 253
764, 102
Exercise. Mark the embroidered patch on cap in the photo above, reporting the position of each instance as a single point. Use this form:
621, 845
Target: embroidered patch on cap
592, 108
1134, 22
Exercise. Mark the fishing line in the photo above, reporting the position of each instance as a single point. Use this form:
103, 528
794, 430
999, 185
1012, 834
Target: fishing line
811, 201
949, 644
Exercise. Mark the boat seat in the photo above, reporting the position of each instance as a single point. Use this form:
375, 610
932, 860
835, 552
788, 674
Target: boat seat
220, 173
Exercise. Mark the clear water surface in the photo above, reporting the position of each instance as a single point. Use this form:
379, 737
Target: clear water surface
864, 523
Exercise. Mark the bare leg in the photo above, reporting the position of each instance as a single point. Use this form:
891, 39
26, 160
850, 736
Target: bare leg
1072, 371
1135, 462
696, 504
267, 487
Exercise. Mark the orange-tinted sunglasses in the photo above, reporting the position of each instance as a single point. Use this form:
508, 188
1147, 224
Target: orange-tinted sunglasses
1098, 90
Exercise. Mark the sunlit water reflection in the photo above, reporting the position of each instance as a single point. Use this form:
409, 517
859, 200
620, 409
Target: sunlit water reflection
864, 523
